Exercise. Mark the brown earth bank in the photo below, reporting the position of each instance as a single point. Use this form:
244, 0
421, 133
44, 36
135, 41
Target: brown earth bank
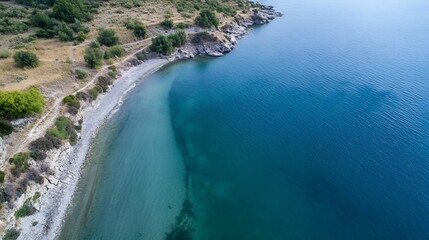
48, 200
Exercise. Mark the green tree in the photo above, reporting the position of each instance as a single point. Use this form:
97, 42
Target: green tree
162, 44
65, 33
26, 59
5, 128
207, 19
16, 104
140, 30
167, 23
177, 39
69, 10
108, 37
93, 57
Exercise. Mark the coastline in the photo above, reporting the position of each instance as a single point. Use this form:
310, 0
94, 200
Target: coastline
55, 202
68, 161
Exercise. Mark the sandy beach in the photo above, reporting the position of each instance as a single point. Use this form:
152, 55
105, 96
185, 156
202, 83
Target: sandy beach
53, 204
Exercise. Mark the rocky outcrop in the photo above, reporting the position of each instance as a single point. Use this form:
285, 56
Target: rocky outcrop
233, 31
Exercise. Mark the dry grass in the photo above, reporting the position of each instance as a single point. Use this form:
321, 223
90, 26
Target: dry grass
58, 59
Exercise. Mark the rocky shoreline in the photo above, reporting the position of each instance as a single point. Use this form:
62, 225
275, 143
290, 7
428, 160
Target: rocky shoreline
67, 162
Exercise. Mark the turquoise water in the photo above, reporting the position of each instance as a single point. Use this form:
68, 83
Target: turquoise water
315, 127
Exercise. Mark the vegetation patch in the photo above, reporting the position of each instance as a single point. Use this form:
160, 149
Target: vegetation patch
114, 52
4, 54
72, 104
80, 74
11, 234
20, 160
27, 209
93, 56
108, 37
207, 18
26, 59
166, 44
138, 28
6, 128
16, 104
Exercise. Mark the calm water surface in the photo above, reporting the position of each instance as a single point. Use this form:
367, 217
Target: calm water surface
315, 127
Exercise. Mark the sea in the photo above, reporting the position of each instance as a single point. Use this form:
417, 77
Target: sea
315, 127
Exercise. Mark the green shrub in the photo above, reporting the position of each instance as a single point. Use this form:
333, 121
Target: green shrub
182, 25
103, 83
69, 10
5, 128
93, 57
65, 33
140, 30
38, 155
45, 33
16, 104
11, 26
62, 129
81, 36
78, 26
27, 209
140, 56
93, 93
108, 37
26, 59
115, 51
207, 18
41, 144
2, 175
162, 44
11, 234
94, 44
167, 23
113, 68
72, 103
82, 96
177, 39
112, 74
20, 160
4, 54
80, 74
43, 20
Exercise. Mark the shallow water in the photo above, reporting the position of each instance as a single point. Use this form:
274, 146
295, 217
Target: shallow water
315, 127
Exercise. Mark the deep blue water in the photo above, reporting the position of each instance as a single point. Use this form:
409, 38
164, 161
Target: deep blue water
315, 127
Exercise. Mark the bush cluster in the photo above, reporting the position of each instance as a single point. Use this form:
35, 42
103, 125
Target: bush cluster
72, 104
11, 234
207, 18
12, 26
138, 28
26, 59
6, 128
69, 10
20, 160
49, 27
166, 44
62, 130
182, 25
93, 55
16, 104
190, 6
114, 52
27, 209
80, 74
108, 37
167, 23
4, 54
